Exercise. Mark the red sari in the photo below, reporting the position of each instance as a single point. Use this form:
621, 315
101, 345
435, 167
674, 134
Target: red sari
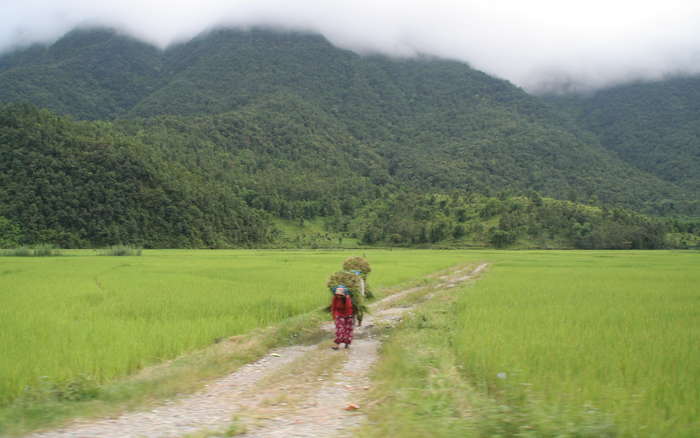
341, 308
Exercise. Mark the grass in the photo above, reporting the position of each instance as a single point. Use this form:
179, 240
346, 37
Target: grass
614, 331
235, 428
31, 251
72, 329
418, 390
548, 343
566, 344
45, 406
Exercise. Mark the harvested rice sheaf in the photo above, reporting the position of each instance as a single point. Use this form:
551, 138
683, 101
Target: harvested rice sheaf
348, 279
360, 266
357, 264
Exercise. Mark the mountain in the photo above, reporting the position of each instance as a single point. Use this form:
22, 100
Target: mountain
86, 184
91, 75
654, 126
260, 126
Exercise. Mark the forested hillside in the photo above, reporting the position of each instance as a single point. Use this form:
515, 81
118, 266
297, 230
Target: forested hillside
654, 126
91, 75
227, 180
85, 184
213, 142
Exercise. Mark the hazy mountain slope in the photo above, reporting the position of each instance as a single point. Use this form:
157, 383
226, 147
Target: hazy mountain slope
91, 75
425, 125
654, 126
439, 124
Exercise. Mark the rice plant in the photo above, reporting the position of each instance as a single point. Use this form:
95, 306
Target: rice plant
569, 333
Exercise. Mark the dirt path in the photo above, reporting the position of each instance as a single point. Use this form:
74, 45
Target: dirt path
298, 391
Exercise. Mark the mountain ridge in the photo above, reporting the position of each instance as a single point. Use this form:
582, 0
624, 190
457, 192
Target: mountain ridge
653, 125
305, 130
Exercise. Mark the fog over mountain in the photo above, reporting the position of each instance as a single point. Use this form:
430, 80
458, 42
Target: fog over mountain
540, 45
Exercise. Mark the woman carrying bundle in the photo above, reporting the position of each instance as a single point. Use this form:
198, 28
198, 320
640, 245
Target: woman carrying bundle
341, 309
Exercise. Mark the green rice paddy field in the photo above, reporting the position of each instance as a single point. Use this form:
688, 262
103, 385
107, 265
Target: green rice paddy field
618, 332
615, 333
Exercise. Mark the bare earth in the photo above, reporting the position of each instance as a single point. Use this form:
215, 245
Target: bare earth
298, 391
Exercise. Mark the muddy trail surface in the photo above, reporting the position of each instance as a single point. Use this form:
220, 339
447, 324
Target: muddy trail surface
297, 391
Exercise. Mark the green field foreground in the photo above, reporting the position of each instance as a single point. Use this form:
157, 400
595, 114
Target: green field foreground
64, 319
546, 343
565, 344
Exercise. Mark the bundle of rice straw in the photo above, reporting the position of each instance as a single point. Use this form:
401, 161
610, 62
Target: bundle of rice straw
361, 268
347, 279
359, 264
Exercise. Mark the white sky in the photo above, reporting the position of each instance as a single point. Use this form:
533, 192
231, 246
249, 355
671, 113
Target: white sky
533, 43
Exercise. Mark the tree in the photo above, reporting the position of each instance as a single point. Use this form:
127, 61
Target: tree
502, 238
10, 233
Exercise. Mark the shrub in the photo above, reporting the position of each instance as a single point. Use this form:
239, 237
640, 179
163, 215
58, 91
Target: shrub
45, 251
120, 250
35, 251
22, 251
10, 233
501, 238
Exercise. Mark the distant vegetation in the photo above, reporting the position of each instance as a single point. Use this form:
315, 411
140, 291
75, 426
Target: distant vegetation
86, 184
154, 183
507, 221
120, 250
216, 142
44, 250
654, 126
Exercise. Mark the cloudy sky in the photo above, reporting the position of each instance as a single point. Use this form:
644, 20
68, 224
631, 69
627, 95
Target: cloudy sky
535, 44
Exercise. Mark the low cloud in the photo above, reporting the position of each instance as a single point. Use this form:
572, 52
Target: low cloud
540, 45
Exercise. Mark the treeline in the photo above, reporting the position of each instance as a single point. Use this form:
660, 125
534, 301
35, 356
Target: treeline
506, 221
227, 180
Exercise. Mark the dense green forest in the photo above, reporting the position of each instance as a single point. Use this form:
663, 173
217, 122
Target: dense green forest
84, 184
655, 126
217, 182
259, 138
